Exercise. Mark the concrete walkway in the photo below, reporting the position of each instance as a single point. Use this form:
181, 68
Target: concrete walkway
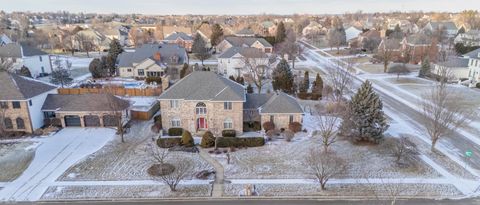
217, 190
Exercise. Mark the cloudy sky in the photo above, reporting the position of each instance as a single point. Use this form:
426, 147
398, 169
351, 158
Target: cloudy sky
236, 6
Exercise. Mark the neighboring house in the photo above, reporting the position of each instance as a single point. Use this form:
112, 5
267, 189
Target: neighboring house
470, 38
205, 31
37, 61
232, 61
457, 66
100, 41
152, 60
268, 28
246, 32
86, 110
352, 32
405, 25
418, 46
449, 27
204, 101
390, 45
235, 41
181, 39
21, 100
313, 29
4, 40
123, 35
474, 67
367, 40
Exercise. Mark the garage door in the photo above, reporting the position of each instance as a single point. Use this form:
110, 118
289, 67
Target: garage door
72, 121
109, 121
91, 121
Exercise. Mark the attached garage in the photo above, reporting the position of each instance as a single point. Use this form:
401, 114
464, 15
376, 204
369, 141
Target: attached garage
91, 121
109, 121
72, 121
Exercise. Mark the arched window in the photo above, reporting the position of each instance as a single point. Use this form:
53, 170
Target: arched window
8, 123
201, 108
20, 123
228, 123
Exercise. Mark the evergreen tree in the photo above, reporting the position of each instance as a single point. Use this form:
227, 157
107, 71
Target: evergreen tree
184, 70
425, 69
199, 48
187, 139
365, 120
24, 71
232, 78
60, 74
240, 80
306, 81
317, 85
283, 77
461, 30
281, 33
217, 34
111, 59
249, 88
96, 68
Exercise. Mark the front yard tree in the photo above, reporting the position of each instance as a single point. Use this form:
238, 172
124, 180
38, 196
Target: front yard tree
182, 169
96, 68
425, 69
217, 34
324, 166
116, 109
306, 81
365, 120
317, 85
283, 77
336, 35
340, 81
199, 48
440, 113
327, 126
281, 33
258, 67
385, 55
60, 74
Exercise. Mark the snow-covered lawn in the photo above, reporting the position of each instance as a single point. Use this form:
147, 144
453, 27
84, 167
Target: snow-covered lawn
15, 158
126, 161
125, 192
53, 156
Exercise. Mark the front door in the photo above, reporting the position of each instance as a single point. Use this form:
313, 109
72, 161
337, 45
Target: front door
201, 123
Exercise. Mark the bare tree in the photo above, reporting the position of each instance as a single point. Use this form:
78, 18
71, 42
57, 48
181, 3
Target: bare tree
182, 168
387, 194
85, 43
328, 126
403, 149
440, 112
340, 81
258, 66
399, 69
291, 47
386, 55
324, 166
117, 109
159, 154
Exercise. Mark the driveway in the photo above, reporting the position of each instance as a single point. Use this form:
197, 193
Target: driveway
53, 157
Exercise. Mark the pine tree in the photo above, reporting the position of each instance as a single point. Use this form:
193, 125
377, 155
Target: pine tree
365, 120
111, 59
217, 34
283, 78
249, 88
60, 75
232, 78
317, 85
306, 81
281, 33
199, 48
24, 71
96, 68
425, 69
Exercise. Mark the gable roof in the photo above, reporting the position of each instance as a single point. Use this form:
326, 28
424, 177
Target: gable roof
205, 85
244, 51
15, 50
246, 31
447, 25
256, 100
419, 39
455, 62
126, 59
237, 41
15, 87
473, 54
84, 102
181, 35
281, 103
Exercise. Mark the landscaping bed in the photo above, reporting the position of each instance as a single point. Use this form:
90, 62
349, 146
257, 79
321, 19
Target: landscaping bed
15, 157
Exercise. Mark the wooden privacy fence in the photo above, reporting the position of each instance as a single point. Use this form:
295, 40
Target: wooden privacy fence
145, 115
115, 91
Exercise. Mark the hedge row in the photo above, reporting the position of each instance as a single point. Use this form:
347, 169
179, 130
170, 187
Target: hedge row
175, 131
229, 133
240, 142
169, 142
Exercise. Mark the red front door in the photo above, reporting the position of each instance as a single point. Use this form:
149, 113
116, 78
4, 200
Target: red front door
201, 123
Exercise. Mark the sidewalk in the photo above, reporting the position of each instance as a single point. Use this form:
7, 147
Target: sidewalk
217, 190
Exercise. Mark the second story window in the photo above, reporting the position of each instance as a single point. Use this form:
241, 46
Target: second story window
30, 102
173, 103
141, 72
40, 58
4, 105
227, 105
290, 118
201, 108
16, 105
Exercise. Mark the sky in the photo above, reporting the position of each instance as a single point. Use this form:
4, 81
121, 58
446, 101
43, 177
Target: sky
166, 7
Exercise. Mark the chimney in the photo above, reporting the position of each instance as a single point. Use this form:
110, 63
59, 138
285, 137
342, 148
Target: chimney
157, 56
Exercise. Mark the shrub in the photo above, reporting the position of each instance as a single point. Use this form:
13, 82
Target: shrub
160, 169
156, 128
295, 127
315, 96
240, 142
271, 133
157, 118
303, 95
175, 131
169, 142
268, 126
288, 134
229, 133
478, 85
252, 126
187, 139
208, 140
157, 80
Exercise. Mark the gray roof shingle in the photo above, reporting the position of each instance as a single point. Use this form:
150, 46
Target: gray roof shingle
244, 51
84, 102
205, 85
473, 54
181, 35
237, 41
126, 59
256, 100
15, 87
455, 62
15, 50
281, 103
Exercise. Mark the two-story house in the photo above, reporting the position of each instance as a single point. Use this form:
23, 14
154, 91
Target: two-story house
181, 39
448, 27
418, 46
204, 100
474, 67
233, 61
252, 42
37, 61
21, 100
152, 60
469, 38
